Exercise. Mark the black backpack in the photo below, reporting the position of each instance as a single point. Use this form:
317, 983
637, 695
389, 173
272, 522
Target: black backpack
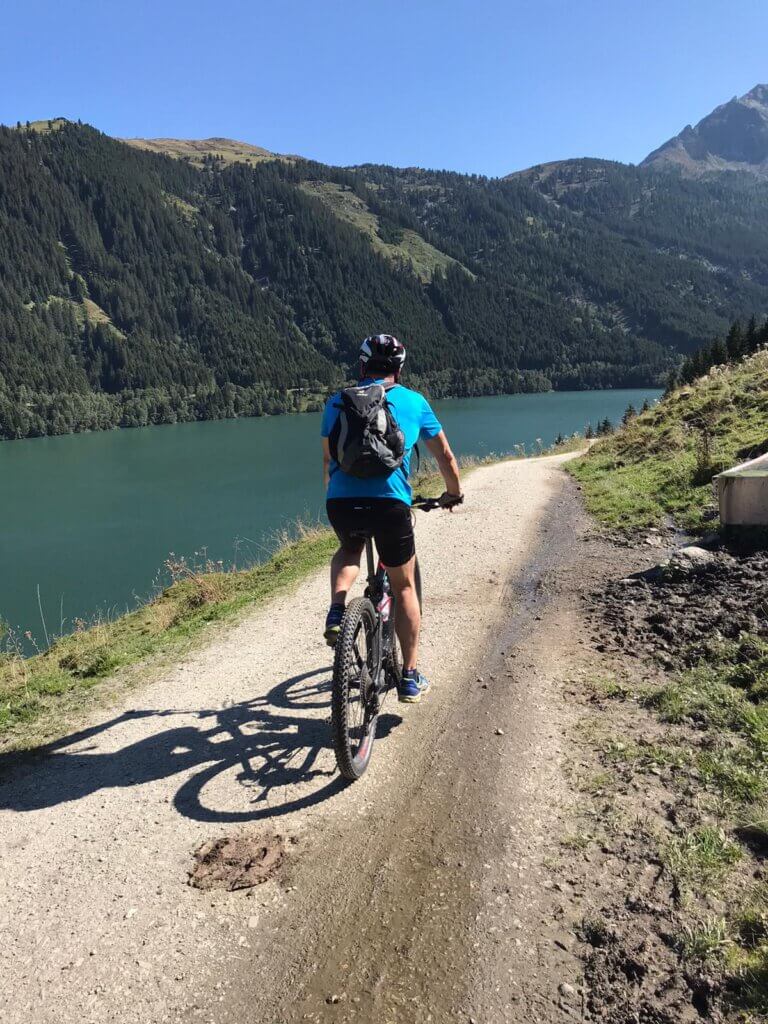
366, 440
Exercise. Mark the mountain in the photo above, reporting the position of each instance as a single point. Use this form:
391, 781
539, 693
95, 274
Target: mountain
734, 137
138, 287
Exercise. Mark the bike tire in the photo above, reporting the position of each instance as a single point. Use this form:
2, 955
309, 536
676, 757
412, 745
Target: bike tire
354, 730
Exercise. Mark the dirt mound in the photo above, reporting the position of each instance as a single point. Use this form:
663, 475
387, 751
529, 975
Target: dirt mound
237, 862
641, 985
685, 607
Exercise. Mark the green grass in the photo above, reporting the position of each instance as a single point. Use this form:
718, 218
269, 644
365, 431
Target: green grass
748, 954
725, 699
45, 126
607, 688
644, 754
661, 465
186, 210
577, 841
596, 783
703, 941
38, 694
699, 859
423, 258
734, 669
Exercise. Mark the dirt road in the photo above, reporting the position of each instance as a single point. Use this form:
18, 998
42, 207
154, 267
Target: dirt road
418, 894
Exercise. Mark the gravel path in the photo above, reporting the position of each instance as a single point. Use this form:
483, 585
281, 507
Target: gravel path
97, 920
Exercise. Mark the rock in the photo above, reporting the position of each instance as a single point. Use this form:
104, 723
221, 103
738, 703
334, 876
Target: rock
566, 991
686, 563
499, 732
695, 555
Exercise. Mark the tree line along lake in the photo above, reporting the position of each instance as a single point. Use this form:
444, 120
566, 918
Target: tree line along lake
88, 520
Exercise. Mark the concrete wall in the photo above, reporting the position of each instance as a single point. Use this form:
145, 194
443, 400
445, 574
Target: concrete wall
743, 494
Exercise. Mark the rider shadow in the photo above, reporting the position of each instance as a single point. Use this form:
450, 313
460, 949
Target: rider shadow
275, 758
273, 752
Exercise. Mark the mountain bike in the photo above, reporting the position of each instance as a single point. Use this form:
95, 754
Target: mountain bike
366, 663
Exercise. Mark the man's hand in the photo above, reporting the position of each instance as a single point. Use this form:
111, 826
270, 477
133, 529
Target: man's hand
449, 501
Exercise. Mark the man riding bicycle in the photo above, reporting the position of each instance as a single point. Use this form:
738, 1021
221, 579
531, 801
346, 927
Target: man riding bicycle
381, 504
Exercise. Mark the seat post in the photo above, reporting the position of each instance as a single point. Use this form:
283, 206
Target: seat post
370, 560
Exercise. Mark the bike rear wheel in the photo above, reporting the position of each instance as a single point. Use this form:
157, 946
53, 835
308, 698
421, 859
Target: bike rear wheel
354, 701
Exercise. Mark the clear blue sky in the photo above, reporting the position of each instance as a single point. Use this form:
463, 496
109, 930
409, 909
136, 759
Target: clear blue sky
472, 85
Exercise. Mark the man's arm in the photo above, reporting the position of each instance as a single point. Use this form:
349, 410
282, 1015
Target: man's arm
446, 462
326, 462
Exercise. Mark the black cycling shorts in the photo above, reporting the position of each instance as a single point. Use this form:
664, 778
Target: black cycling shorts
388, 520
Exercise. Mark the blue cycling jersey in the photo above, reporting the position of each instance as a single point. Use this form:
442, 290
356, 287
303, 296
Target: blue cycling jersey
417, 422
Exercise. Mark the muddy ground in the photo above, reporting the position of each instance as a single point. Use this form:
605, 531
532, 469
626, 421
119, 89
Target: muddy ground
646, 627
682, 609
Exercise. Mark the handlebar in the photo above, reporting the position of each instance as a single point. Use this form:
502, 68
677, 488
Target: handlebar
428, 504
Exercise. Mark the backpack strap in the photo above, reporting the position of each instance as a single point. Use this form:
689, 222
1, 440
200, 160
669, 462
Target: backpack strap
416, 449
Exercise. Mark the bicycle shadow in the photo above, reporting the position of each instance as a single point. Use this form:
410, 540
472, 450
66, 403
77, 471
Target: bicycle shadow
267, 744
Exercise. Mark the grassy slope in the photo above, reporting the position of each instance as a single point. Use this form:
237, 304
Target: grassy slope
662, 464
195, 150
39, 695
423, 257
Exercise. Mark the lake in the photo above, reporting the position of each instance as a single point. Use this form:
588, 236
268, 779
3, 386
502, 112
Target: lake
89, 519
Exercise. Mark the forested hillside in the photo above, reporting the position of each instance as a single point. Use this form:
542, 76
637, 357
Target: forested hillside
136, 288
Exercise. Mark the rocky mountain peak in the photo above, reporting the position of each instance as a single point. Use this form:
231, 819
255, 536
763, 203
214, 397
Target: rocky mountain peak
733, 137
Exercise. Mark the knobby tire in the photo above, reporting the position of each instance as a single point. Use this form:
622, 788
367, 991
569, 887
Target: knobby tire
354, 729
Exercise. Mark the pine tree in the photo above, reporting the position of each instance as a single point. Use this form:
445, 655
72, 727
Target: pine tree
749, 344
676, 377
718, 354
734, 341
605, 427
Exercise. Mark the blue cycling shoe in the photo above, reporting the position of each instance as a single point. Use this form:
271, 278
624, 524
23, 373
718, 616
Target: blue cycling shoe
411, 686
333, 624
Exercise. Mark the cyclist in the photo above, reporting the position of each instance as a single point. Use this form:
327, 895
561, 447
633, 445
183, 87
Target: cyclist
381, 505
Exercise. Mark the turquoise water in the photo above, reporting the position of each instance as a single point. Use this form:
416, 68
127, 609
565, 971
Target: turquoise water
89, 519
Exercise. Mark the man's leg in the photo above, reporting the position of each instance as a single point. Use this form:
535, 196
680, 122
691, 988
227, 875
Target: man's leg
345, 565
407, 612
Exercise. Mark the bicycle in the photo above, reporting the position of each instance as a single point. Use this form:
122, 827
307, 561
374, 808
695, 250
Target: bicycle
366, 663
